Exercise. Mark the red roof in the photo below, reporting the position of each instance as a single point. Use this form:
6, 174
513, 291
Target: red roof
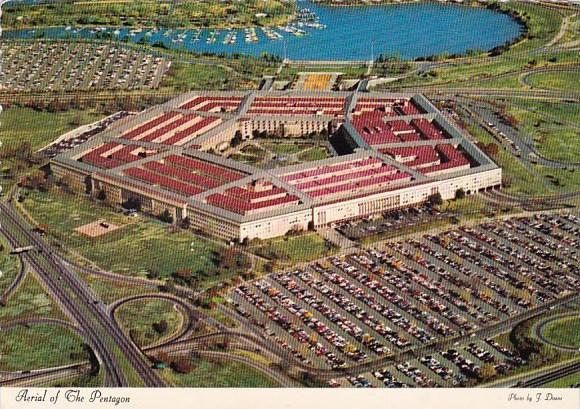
156, 179
209, 169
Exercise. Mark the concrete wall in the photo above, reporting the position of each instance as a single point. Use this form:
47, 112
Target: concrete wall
378, 203
286, 126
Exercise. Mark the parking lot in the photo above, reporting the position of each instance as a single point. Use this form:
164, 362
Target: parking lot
402, 295
76, 138
390, 221
61, 66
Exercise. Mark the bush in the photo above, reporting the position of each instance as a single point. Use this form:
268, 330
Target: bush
459, 194
132, 203
166, 216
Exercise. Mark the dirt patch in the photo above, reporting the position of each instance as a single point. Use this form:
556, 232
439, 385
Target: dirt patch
96, 228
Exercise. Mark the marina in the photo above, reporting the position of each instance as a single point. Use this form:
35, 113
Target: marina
327, 33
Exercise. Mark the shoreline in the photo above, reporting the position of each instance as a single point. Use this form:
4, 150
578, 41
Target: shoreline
492, 52
288, 19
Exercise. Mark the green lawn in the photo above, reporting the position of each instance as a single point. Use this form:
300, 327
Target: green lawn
219, 375
9, 265
82, 381
40, 127
283, 148
141, 244
564, 332
300, 248
39, 346
520, 179
554, 127
249, 159
137, 318
150, 13
191, 76
555, 80
314, 153
110, 291
29, 300
254, 150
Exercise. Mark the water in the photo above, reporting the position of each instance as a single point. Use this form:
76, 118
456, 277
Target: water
351, 33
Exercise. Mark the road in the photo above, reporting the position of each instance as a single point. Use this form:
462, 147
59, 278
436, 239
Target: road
524, 143
44, 376
11, 289
191, 318
80, 303
538, 331
551, 376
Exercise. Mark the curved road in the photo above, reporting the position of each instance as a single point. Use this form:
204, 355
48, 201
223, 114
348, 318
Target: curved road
79, 302
539, 327
5, 296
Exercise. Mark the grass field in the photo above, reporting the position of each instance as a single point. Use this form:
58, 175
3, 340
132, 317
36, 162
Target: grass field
140, 245
314, 153
40, 127
521, 180
564, 332
9, 265
218, 375
554, 127
191, 76
283, 148
555, 80
36, 127
39, 346
110, 291
292, 249
29, 300
137, 319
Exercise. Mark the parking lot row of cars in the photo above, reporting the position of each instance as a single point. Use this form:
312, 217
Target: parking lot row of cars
396, 297
399, 219
58, 66
82, 137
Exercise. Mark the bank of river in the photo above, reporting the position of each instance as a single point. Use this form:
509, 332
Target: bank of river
345, 33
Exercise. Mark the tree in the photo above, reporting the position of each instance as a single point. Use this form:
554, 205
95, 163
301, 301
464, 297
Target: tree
459, 194
88, 184
184, 276
36, 180
232, 259
185, 223
237, 139
182, 365
435, 199
162, 357
160, 327
488, 371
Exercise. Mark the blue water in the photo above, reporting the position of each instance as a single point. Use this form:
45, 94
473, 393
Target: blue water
351, 33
